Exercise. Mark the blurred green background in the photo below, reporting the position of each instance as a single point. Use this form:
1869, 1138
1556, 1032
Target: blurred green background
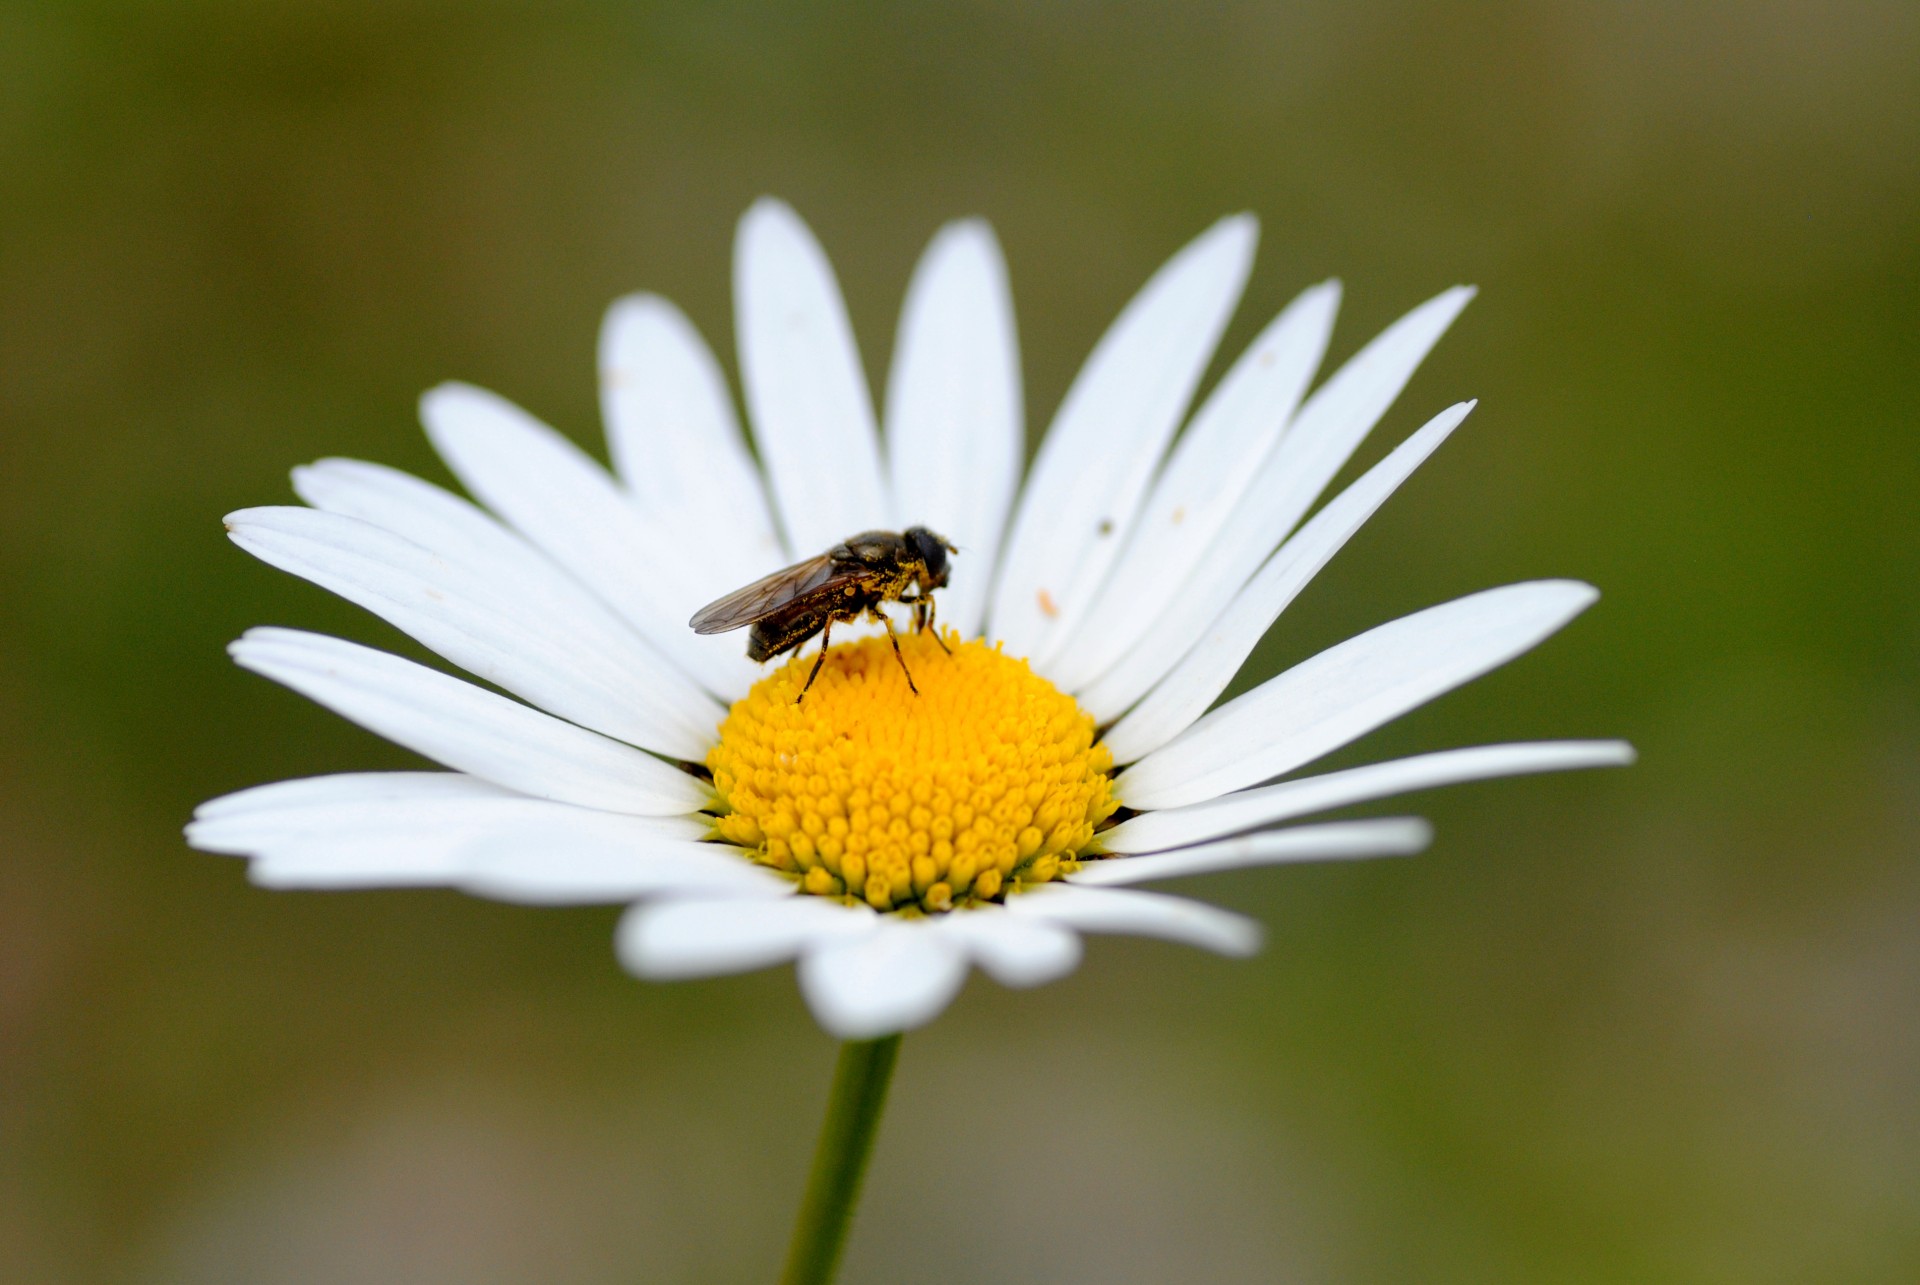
1653, 1025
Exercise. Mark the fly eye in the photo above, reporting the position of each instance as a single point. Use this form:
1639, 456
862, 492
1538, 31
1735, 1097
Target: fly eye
930, 549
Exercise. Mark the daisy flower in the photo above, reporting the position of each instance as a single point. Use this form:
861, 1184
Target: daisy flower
1063, 747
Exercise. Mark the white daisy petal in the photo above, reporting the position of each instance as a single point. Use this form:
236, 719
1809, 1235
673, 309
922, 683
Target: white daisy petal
1335, 841
454, 528
1348, 690
675, 440
1209, 469
525, 582
567, 505
1094, 465
1143, 914
891, 980
317, 807
806, 392
388, 829
553, 865
1014, 950
1248, 809
955, 422
705, 938
1341, 412
349, 790
382, 861
1316, 445
462, 616
1193, 683
475, 731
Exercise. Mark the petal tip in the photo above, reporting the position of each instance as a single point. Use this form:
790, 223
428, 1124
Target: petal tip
967, 244
1445, 308
973, 229
625, 313
1323, 297
768, 206
439, 403
1580, 592
1241, 223
631, 322
895, 980
1235, 236
1414, 835
771, 218
1241, 939
633, 949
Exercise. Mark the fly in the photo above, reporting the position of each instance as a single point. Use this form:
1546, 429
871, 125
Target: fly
848, 581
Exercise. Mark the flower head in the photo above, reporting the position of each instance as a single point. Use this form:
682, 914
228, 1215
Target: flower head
1060, 746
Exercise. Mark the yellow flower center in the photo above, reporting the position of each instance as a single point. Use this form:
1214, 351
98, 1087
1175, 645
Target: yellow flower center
987, 780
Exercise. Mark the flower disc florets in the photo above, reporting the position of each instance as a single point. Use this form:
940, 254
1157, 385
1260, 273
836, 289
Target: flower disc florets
988, 779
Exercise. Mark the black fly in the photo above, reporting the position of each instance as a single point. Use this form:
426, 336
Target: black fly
846, 582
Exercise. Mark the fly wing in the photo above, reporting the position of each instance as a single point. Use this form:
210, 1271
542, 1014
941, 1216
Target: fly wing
764, 597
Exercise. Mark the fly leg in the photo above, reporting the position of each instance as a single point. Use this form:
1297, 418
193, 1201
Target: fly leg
826, 636
928, 623
895, 640
924, 608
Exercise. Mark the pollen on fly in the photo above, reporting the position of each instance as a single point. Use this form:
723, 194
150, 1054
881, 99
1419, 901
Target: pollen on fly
848, 581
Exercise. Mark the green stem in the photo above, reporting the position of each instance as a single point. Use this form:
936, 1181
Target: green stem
840, 1161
